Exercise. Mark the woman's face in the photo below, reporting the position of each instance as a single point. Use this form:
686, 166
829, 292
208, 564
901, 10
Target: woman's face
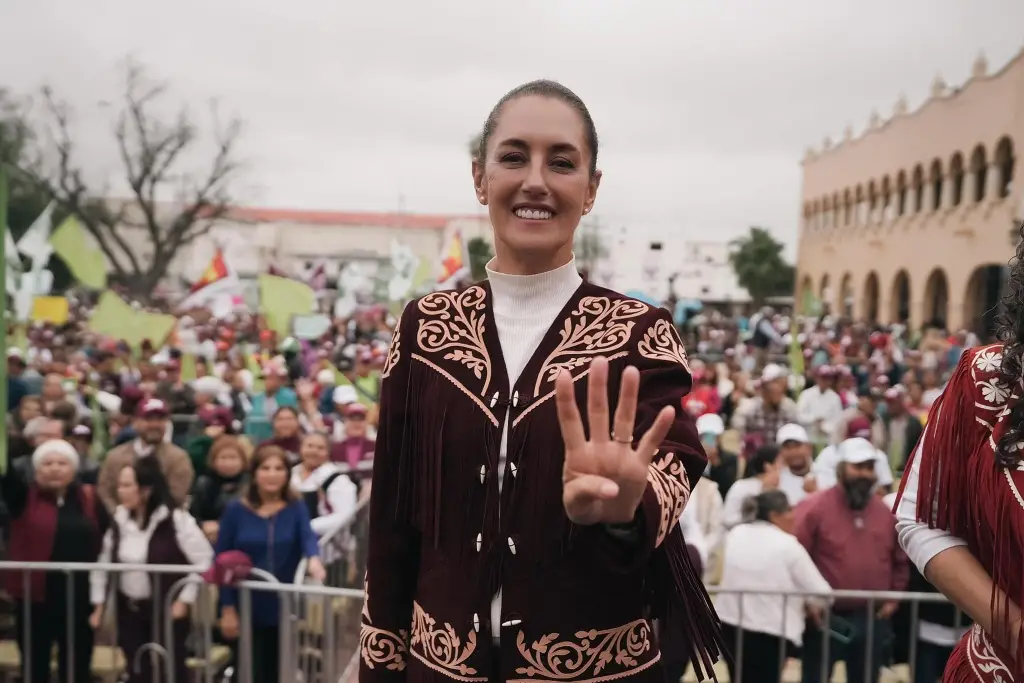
271, 476
229, 462
29, 409
54, 472
313, 451
286, 424
128, 492
536, 183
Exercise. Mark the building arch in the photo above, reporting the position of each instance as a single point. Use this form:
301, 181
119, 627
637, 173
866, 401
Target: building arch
936, 180
901, 194
825, 290
1005, 163
836, 216
984, 288
936, 298
873, 212
956, 177
846, 296
917, 183
886, 198
979, 173
826, 213
870, 299
847, 206
859, 217
899, 306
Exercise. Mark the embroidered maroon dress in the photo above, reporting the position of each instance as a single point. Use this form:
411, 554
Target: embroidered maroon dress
577, 603
975, 499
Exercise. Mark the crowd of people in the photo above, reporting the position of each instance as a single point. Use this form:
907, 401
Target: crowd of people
250, 431
224, 439
802, 475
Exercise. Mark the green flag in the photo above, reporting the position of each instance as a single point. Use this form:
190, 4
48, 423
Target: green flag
70, 243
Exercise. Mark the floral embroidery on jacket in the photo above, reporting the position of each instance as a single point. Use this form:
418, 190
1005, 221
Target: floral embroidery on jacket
377, 646
454, 325
598, 327
984, 660
394, 352
588, 655
441, 648
662, 342
672, 489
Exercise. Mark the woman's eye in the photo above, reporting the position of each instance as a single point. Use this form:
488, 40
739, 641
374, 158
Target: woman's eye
562, 163
512, 158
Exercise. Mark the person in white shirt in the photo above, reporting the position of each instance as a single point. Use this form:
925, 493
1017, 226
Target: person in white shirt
819, 407
762, 554
148, 528
828, 461
329, 494
762, 475
796, 478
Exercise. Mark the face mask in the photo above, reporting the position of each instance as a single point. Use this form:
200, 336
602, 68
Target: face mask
859, 491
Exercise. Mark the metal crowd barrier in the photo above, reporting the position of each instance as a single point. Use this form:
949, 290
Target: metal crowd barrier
871, 650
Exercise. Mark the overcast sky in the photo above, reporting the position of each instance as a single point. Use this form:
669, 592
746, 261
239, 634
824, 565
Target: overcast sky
704, 107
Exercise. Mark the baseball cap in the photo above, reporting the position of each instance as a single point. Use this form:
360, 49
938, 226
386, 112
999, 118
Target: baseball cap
772, 372
709, 423
344, 394
228, 568
857, 451
355, 410
858, 427
791, 432
152, 407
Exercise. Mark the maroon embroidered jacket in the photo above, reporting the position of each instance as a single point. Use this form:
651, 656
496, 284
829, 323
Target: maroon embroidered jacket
577, 603
962, 489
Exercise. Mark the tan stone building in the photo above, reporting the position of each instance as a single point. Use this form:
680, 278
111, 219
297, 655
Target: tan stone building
914, 219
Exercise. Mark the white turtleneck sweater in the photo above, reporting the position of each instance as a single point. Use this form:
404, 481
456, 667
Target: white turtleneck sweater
525, 307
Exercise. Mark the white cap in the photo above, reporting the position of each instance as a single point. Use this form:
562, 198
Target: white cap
772, 372
791, 432
344, 393
55, 447
709, 423
325, 377
208, 385
857, 451
14, 352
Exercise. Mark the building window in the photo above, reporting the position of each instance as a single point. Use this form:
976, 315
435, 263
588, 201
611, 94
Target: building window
956, 175
979, 171
918, 183
935, 177
901, 194
1005, 163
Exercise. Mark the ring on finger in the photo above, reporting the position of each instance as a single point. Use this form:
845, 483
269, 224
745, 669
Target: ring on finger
627, 440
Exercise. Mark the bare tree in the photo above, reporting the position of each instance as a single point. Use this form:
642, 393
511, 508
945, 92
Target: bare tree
153, 156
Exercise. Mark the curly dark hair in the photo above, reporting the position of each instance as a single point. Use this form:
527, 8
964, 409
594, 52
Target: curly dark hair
1010, 331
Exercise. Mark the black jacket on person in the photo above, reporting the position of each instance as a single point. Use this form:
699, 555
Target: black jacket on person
212, 493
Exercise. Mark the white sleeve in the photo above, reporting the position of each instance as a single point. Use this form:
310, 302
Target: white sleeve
341, 496
692, 533
882, 470
194, 546
108, 401
805, 408
732, 510
824, 468
805, 573
919, 541
98, 579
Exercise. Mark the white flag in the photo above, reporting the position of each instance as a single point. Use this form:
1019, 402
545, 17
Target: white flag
11, 252
35, 243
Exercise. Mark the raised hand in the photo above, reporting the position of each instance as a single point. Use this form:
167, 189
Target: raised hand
604, 477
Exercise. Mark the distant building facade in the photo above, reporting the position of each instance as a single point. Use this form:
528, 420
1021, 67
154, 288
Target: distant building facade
914, 220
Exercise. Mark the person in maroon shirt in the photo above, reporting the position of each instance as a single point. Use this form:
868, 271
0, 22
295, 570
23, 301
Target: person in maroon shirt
849, 533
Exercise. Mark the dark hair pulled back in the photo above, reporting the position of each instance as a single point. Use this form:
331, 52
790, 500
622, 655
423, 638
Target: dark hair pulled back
1010, 331
761, 507
541, 88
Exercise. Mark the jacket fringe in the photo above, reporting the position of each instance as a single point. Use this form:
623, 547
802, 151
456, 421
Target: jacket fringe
680, 600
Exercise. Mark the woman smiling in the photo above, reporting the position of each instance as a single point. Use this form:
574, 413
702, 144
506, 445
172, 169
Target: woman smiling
512, 537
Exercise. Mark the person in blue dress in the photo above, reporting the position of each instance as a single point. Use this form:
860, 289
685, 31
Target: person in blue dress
270, 524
